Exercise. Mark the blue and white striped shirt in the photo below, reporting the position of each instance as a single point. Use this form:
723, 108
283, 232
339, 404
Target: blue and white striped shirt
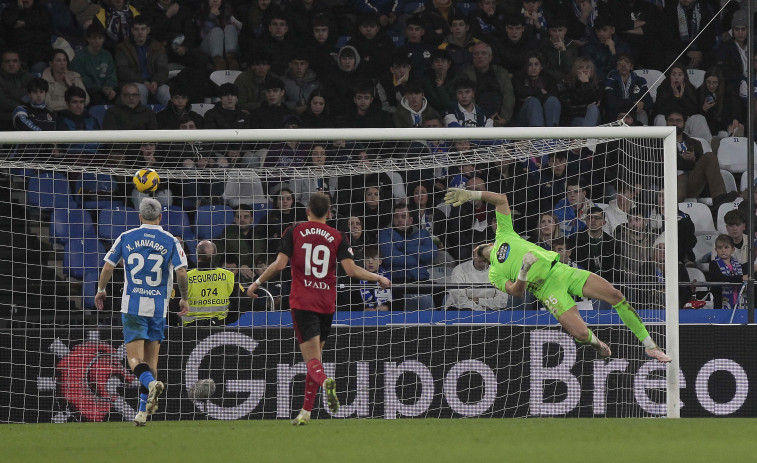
150, 255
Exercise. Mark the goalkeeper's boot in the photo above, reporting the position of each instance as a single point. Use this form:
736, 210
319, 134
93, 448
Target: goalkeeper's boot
603, 350
330, 387
657, 353
302, 418
155, 389
140, 419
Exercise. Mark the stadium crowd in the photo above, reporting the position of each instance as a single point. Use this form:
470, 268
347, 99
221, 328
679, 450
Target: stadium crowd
145, 64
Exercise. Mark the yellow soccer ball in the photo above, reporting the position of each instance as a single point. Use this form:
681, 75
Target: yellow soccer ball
146, 180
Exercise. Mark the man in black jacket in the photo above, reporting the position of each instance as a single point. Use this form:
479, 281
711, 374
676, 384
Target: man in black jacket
595, 249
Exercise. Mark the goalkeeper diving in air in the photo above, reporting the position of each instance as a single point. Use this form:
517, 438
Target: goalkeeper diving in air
517, 265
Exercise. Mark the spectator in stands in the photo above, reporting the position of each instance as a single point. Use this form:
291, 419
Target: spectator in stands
616, 212
686, 20
485, 23
549, 229
272, 112
634, 245
34, 114
572, 211
219, 33
391, 83
372, 44
494, 90
373, 208
418, 50
375, 298
303, 188
407, 250
75, 117
238, 240
116, 17
439, 81
170, 116
510, 177
624, 91
516, 45
474, 272
731, 55
343, 77
96, 67
321, 45
640, 24
318, 113
364, 113
676, 92
302, 14
744, 206
535, 21
582, 95
580, 15
721, 108
605, 47
686, 232
84, 12
735, 225
699, 169
385, 14
28, 27
458, 42
596, 250
254, 17
130, 114
466, 113
12, 87
536, 95
558, 50
550, 179
299, 82
414, 107
60, 79
173, 25
250, 82
285, 212
725, 267
143, 62
225, 114
358, 239
277, 43
436, 17
425, 215
658, 277
468, 223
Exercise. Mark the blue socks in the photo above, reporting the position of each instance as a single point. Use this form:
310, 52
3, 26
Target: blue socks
142, 371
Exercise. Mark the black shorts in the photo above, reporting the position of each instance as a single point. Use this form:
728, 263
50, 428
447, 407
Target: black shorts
309, 324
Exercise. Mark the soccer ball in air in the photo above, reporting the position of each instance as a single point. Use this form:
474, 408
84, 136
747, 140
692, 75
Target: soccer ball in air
146, 180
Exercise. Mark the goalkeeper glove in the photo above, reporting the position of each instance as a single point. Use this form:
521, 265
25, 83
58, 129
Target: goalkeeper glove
528, 261
459, 196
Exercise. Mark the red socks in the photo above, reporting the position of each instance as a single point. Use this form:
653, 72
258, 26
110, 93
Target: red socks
315, 371
311, 389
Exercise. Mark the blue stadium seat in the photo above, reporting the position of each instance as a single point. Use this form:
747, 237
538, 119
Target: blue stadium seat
176, 222
342, 41
259, 211
48, 190
112, 222
210, 221
71, 224
99, 184
156, 107
98, 112
82, 256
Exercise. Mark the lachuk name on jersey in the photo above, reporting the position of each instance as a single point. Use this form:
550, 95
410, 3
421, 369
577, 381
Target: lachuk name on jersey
317, 231
148, 244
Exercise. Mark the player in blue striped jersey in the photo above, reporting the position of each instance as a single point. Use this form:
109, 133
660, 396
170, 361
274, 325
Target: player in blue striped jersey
150, 256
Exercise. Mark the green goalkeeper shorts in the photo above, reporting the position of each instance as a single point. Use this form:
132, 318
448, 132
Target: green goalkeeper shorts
560, 286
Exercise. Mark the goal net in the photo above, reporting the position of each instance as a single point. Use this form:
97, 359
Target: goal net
442, 342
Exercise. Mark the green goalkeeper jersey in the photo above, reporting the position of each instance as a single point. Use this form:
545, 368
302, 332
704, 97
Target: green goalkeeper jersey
506, 257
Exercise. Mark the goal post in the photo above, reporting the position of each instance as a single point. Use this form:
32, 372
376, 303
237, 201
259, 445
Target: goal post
492, 335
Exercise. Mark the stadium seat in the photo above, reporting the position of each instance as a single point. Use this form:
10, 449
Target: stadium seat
732, 154
82, 256
112, 222
99, 184
723, 210
465, 7
696, 77
700, 215
48, 190
224, 77
729, 180
706, 146
259, 211
201, 108
71, 224
176, 222
156, 107
342, 41
703, 248
651, 76
697, 275
173, 73
210, 221
744, 183
98, 112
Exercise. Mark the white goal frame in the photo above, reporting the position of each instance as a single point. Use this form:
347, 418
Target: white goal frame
667, 134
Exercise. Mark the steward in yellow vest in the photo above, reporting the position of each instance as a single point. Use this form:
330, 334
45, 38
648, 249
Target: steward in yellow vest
210, 289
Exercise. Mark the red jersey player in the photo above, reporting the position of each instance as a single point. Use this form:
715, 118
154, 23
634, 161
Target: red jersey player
315, 248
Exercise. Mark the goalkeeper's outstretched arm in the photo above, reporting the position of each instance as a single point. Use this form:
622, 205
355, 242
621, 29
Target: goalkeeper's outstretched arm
458, 196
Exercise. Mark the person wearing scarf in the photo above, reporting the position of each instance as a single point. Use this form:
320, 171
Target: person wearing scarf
726, 268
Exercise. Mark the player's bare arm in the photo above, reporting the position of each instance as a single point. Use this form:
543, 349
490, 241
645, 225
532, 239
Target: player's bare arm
274, 269
183, 281
105, 276
458, 196
356, 271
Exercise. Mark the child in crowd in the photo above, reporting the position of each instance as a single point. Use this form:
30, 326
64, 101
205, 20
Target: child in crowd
726, 268
375, 298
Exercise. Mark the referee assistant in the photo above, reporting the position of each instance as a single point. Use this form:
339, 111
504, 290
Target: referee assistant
211, 291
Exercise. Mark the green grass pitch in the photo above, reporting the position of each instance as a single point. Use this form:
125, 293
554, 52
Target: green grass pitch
418, 441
